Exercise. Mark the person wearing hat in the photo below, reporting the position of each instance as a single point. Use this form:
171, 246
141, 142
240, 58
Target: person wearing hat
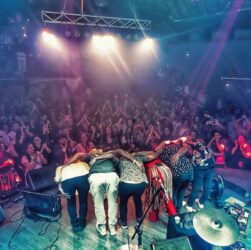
175, 155
204, 171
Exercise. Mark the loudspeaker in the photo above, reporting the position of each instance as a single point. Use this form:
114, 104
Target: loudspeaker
39, 203
217, 192
2, 215
179, 243
42, 178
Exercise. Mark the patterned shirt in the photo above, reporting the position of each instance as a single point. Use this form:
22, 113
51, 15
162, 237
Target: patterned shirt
131, 173
182, 166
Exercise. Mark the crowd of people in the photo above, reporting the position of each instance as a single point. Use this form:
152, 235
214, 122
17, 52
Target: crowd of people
36, 132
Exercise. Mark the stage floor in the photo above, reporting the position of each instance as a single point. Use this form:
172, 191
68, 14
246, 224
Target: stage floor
28, 238
28, 235
237, 179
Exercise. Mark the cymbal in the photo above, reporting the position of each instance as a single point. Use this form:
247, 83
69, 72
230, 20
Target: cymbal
129, 247
216, 227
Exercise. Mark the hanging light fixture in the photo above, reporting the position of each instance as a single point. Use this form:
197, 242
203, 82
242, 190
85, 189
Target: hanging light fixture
101, 3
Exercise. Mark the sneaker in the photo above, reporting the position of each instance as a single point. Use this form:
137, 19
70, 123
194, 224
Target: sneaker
77, 226
112, 230
138, 220
184, 203
201, 206
123, 224
101, 229
190, 209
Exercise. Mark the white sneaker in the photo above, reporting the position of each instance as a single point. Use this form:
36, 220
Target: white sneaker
112, 230
201, 206
184, 203
190, 209
101, 229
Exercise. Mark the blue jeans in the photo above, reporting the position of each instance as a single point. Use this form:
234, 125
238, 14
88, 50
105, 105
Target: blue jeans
126, 190
202, 178
179, 187
70, 186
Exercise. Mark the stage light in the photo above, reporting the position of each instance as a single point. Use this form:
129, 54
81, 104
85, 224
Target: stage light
187, 54
77, 34
128, 36
104, 44
50, 40
109, 41
86, 34
101, 3
67, 33
148, 43
96, 40
136, 37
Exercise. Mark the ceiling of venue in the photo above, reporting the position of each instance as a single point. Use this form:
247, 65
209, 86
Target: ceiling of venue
166, 15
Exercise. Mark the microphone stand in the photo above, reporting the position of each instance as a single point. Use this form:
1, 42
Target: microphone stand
138, 231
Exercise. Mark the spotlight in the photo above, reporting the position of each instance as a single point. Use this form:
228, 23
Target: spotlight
119, 36
146, 49
50, 40
77, 34
128, 37
86, 34
187, 54
67, 33
101, 3
109, 41
148, 43
104, 43
136, 37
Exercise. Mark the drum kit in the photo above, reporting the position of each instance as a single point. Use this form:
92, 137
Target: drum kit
216, 227
213, 226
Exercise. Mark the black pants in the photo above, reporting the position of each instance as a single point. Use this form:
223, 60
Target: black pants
70, 186
126, 190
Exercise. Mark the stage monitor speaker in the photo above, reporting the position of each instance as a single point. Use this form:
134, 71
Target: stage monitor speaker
179, 243
2, 215
39, 203
42, 178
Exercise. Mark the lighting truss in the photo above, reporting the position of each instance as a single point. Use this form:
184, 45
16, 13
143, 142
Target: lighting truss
97, 21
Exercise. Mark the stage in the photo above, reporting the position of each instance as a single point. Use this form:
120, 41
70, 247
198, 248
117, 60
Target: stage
237, 180
34, 236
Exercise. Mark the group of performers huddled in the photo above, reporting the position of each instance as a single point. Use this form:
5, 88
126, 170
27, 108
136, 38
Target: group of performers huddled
172, 166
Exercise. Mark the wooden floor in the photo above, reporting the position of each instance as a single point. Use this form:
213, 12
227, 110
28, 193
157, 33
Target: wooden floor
28, 238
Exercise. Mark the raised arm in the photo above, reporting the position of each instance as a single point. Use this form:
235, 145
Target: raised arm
77, 157
126, 155
177, 155
161, 145
153, 155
